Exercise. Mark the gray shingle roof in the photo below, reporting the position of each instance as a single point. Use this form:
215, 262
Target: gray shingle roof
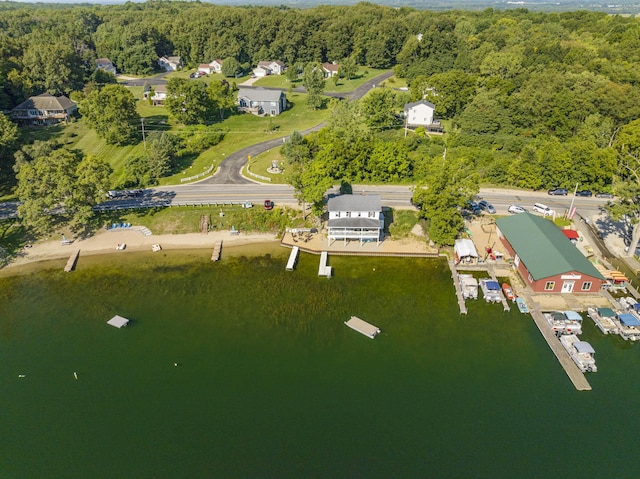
354, 203
416, 103
45, 101
260, 94
543, 248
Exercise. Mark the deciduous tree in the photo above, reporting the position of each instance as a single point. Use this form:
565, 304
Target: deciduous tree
111, 111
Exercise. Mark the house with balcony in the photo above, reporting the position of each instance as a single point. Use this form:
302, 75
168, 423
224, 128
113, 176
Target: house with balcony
421, 113
261, 101
355, 217
44, 110
157, 96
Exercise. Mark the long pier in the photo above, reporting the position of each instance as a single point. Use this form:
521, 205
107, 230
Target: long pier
575, 375
71, 263
456, 283
215, 256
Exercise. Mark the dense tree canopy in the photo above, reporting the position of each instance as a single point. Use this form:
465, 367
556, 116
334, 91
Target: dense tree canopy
111, 111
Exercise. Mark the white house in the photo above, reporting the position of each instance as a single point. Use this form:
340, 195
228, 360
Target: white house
106, 65
159, 95
261, 71
170, 63
205, 68
330, 69
273, 67
355, 217
419, 113
216, 66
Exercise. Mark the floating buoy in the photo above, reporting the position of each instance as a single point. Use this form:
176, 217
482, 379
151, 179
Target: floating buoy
175, 364
75, 375
22, 375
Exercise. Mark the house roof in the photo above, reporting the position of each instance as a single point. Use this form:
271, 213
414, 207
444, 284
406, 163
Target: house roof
45, 101
217, 60
204, 65
331, 67
543, 248
160, 88
407, 106
260, 94
354, 222
173, 59
355, 203
465, 247
101, 61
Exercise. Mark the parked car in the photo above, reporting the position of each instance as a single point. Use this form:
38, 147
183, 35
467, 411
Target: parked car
543, 209
602, 194
515, 209
475, 209
247, 204
268, 204
486, 206
558, 192
586, 193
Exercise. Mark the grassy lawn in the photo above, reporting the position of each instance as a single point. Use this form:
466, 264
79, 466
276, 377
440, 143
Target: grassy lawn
394, 82
364, 74
259, 164
400, 222
186, 219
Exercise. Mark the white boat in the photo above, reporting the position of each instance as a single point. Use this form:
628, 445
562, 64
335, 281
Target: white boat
628, 326
490, 290
564, 322
604, 319
469, 286
121, 246
156, 247
580, 351
522, 305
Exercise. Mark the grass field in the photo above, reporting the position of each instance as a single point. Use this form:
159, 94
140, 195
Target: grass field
261, 162
364, 74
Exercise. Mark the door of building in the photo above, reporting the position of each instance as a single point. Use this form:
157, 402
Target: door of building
567, 287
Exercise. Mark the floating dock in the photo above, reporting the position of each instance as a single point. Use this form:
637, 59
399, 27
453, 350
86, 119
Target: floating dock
217, 249
575, 375
71, 264
357, 324
323, 269
293, 257
456, 283
118, 322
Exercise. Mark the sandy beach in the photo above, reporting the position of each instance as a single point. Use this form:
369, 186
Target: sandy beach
106, 241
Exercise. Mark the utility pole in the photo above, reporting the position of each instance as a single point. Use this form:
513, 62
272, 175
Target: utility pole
144, 139
573, 199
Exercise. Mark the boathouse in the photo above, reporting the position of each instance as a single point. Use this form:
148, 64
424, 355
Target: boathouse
545, 258
355, 217
465, 251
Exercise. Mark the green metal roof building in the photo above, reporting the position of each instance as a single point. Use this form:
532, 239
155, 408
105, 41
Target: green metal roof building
545, 258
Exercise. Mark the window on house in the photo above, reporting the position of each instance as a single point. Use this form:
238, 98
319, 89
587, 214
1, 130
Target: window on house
337, 214
372, 214
586, 286
549, 285
348, 214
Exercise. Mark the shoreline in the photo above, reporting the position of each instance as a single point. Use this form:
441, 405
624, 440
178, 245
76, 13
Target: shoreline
105, 242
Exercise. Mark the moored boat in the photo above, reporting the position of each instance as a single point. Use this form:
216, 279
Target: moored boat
580, 351
522, 305
469, 286
603, 319
564, 322
508, 292
490, 290
628, 326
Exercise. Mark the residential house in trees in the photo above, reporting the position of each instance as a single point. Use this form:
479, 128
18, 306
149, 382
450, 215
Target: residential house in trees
420, 113
262, 102
170, 63
106, 65
216, 66
158, 97
205, 68
265, 68
330, 69
355, 217
44, 109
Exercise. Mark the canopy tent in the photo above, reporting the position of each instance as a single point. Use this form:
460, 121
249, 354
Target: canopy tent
572, 316
606, 312
571, 234
465, 249
118, 321
628, 319
584, 347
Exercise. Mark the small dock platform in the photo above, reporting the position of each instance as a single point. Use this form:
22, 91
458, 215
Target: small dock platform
575, 375
323, 269
71, 263
293, 258
456, 283
503, 300
217, 249
357, 324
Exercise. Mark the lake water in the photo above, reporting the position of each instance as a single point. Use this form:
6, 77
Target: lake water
271, 384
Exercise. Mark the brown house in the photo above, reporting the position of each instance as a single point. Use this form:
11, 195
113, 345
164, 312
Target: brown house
44, 109
546, 259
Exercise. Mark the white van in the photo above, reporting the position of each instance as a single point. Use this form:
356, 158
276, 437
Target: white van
542, 209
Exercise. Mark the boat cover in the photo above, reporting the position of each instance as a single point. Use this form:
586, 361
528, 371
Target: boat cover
636, 306
572, 316
492, 285
606, 312
584, 347
628, 319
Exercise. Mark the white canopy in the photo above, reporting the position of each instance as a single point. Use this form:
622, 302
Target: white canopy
465, 248
118, 321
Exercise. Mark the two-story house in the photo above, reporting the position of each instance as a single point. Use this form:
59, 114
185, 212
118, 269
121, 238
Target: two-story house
216, 66
158, 97
44, 109
170, 63
355, 217
106, 65
260, 101
420, 113
265, 68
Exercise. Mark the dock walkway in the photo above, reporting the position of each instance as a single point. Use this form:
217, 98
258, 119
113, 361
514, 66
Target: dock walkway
575, 375
293, 257
362, 327
456, 283
323, 269
217, 249
71, 263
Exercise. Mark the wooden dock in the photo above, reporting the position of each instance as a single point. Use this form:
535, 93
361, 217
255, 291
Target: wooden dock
357, 324
323, 269
217, 249
293, 257
456, 283
71, 264
575, 375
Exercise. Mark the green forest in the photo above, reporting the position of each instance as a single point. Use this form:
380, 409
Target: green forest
528, 99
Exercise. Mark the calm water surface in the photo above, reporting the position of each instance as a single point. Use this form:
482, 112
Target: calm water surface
271, 384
